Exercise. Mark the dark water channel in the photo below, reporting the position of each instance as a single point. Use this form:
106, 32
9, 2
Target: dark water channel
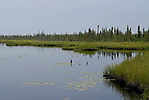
34, 73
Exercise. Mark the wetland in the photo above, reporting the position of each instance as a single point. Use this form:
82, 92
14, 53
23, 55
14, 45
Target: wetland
46, 73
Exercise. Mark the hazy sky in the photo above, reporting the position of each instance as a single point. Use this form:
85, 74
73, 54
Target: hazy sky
60, 16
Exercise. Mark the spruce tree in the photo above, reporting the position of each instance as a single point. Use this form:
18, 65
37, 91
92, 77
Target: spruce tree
139, 32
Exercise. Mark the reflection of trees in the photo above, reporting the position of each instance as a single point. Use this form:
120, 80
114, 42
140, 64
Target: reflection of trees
126, 93
111, 54
114, 54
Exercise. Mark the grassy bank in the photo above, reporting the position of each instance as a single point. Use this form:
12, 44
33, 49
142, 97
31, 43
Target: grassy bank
134, 73
77, 45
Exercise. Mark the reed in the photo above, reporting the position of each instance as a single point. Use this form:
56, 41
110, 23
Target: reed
133, 72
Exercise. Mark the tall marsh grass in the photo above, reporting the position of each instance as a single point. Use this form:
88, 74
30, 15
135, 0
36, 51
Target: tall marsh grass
134, 72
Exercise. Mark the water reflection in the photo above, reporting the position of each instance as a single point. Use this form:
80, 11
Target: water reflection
91, 80
113, 55
121, 90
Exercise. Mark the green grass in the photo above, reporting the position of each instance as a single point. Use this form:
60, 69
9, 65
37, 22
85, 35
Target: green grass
77, 45
134, 72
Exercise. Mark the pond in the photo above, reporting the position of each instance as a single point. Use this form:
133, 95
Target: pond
35, 73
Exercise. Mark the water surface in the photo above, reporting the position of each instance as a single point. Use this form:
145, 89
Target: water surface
34, 73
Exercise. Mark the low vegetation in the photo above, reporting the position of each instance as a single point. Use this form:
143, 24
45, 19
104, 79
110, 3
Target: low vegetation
78, 45
134, 73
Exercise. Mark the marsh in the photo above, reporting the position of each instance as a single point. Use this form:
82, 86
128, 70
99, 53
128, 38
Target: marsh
29, 73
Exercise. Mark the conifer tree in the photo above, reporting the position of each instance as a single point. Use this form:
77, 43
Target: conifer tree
139, 32
97, 29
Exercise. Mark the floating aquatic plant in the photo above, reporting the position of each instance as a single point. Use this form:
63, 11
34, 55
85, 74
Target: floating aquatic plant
62, 64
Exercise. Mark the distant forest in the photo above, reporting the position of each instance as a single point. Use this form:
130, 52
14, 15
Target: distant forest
105, 35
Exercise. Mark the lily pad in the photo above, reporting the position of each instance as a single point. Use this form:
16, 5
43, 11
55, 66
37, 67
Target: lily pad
63, 64
37, 83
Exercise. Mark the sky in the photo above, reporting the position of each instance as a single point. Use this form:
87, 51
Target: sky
61, 16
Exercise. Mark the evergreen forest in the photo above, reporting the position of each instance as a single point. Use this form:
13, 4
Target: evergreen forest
112, 34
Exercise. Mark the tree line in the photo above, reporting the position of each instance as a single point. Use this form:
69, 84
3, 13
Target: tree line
112, 34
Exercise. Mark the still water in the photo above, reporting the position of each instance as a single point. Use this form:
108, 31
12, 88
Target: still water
35, 73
